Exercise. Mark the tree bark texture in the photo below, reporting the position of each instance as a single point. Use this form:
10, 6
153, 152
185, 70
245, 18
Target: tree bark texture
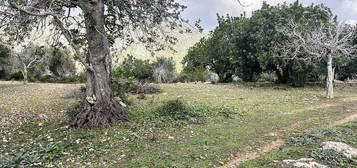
329, 79
100, 109
25, 74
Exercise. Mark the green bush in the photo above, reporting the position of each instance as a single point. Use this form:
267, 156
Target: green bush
139, 69
16, 76
122, 83
176, 110
80, 77
268, 77
184, 78
332, 157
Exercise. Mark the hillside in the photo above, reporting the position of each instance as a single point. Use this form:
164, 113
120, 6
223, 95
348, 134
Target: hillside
185, 41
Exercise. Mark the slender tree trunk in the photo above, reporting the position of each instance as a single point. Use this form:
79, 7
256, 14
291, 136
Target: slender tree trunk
25, 74
330, 78
100, 109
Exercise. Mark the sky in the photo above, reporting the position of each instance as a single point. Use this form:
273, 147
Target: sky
206, 10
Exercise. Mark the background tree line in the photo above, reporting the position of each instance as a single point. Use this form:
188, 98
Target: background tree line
246, 47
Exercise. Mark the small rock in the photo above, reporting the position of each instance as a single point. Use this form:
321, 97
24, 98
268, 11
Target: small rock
340, 147
305, 163
122, 104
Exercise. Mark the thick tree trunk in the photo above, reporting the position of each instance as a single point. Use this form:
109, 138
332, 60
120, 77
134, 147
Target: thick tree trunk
329, 79
100, 109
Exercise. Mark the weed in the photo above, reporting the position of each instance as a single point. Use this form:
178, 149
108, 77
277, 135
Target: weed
332, 157
23, 159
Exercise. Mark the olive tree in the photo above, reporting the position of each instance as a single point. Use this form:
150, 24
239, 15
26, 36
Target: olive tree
29, 58
326, 43
90, 27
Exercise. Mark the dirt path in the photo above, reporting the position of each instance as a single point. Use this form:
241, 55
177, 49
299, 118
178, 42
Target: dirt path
244, 156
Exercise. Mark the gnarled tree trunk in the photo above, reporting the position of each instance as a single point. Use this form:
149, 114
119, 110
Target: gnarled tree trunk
329, 79
100, 109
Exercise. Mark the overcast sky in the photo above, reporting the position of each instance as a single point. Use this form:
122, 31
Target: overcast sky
206, 10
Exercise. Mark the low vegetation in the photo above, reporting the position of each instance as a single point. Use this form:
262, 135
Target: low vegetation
310, 146
185, 125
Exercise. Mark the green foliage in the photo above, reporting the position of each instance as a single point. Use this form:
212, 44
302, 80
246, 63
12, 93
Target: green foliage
61, 63
4, 61
195, 75
122, 83
312, 139
332, 157
139, 69
16, 76
73, 110
80, 77
22, 159
246, 47
179, 110
176, 110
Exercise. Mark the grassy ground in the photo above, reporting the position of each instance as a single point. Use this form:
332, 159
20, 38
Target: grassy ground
147, 141
310, 146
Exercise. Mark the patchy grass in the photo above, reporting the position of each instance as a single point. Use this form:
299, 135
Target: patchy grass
240, 117
309, 146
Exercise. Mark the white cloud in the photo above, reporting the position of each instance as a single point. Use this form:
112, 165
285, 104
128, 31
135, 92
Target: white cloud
350, 5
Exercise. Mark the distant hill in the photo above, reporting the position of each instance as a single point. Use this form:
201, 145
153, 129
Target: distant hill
184, 42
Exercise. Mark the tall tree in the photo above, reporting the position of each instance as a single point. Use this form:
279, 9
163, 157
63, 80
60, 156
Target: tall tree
326, 43
103, 21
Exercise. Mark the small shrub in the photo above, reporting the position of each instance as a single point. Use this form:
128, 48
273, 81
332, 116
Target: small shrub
184, 78
80, 77
82, 89
122, 84
143, 88
16, 76
302, 141
332, 157
72, 111
268, 77
23, 159
141, 70
196, 75
49, 79
175, 110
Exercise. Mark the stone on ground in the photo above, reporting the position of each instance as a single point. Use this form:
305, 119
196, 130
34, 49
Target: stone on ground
340, 147
305, 163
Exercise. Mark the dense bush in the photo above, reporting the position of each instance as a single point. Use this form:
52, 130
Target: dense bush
176, 110
61, 64
16, 76
141, 70
122, 83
